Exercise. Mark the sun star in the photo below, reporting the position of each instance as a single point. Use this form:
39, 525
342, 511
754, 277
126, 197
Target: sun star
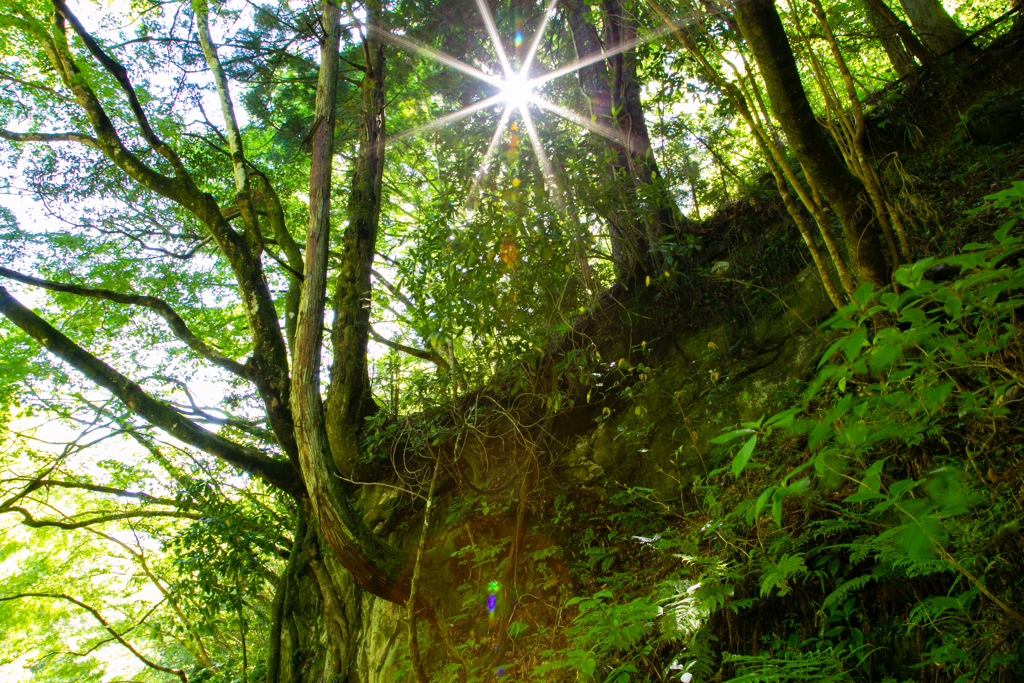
517, 91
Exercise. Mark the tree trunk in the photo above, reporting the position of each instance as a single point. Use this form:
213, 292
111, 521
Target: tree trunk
938, 31
888, 35
639, 228
910, 41
348, 396
316, 619
374, 566
762, 28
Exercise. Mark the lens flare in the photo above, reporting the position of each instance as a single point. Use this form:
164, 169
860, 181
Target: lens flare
492, 599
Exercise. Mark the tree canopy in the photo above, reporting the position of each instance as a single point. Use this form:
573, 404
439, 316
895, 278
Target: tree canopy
268, 269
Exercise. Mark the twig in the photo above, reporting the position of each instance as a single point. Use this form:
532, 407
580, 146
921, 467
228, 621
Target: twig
414, 648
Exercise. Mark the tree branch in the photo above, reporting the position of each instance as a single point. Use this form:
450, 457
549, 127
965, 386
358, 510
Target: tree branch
37, 484
159, 414
431, 356
121, 76
86, 140
30, 521
161, 307
99, 617
269, 361
243, 197
395, 291
270, 356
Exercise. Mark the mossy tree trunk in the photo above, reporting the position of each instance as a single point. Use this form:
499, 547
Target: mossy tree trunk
375, 566
845, 193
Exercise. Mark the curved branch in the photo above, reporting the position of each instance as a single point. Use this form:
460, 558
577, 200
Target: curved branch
161, 307
395, 291
96, 488
243, 198
157, 413
30, 521
99, 617
431, 356
86, 140
270, 355
121, 76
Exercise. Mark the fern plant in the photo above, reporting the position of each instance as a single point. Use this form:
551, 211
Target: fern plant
913, 400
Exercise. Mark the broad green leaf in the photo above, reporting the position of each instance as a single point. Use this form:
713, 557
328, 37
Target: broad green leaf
742, 457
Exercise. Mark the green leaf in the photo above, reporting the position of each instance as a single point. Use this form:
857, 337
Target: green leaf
777, 509
762, 500
588, 666
783, 419
853, 344
742, 457
870, 485
898, 488
730, 436
863, 294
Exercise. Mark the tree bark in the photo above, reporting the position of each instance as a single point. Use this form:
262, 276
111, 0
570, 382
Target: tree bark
762, 28
348, 397
887, 34
910, 41
639, 231
373, 565
938, 31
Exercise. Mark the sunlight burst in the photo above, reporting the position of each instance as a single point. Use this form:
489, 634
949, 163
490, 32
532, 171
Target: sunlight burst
517, 91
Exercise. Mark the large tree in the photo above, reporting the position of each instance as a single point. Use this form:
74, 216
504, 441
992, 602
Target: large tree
643, 216
106, 112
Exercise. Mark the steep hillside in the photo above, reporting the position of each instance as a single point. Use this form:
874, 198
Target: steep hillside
589, 516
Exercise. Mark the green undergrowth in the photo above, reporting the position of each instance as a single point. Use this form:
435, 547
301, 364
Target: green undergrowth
873, 532
870, 532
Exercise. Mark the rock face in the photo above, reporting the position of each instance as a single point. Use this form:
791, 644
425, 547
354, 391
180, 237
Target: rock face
650, 429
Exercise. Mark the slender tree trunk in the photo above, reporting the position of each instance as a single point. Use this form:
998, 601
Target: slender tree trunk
348, 396
762, 28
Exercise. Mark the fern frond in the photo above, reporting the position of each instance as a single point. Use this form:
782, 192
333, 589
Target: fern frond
854, 584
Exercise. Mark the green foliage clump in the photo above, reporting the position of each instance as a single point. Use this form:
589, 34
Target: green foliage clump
898, 517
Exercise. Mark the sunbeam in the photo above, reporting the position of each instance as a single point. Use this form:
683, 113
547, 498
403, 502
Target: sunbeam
598, 56
454, 63
492, 149
584, 122
492, 30
542, 158
517, 91
549, 11
450, 118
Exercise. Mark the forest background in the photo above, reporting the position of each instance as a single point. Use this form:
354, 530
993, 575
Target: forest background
464, 341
